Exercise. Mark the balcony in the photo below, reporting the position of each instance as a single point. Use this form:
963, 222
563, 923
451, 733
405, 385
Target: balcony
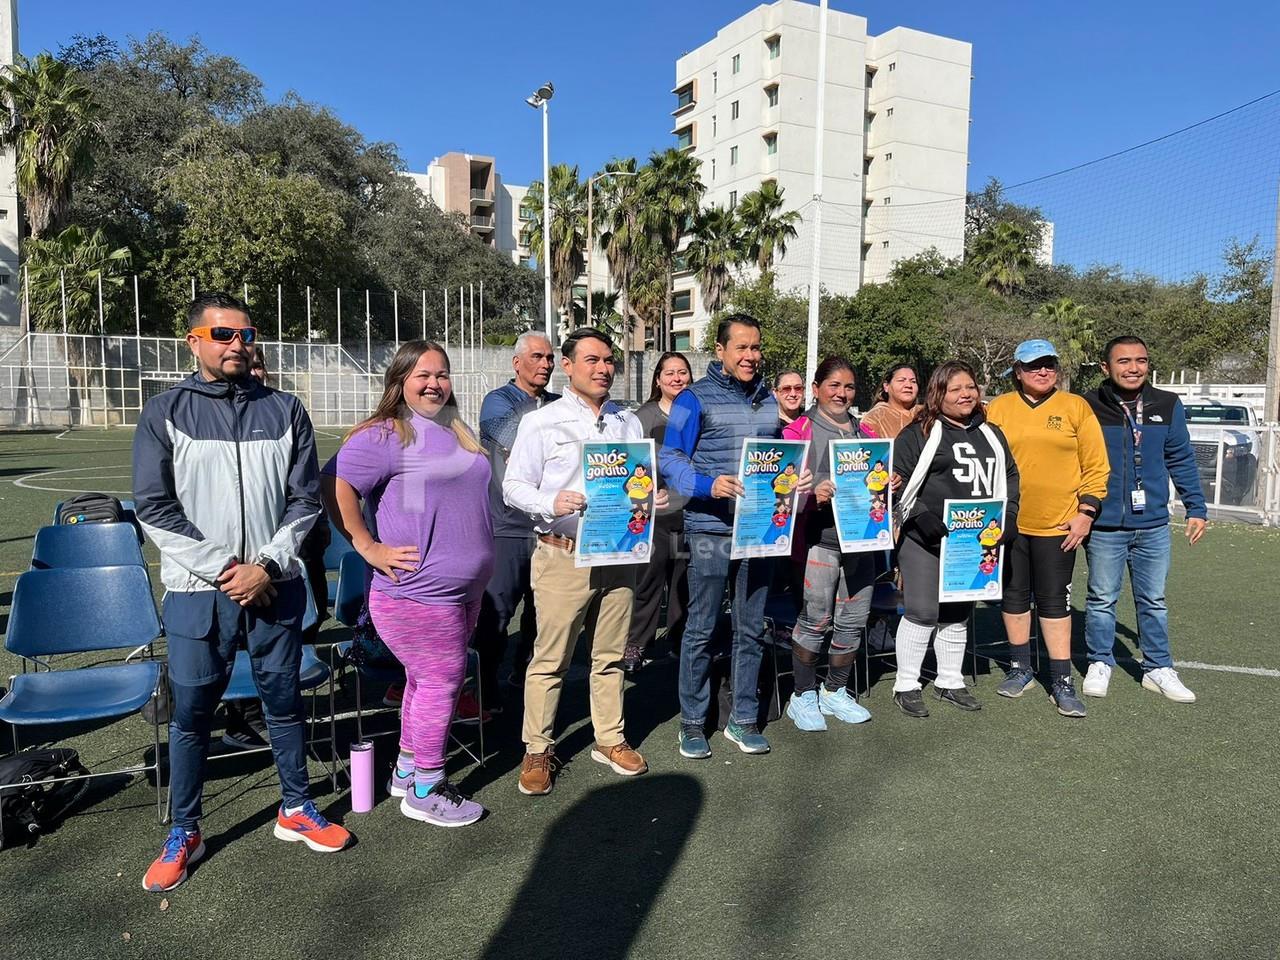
482, 221
480, 197
686, 98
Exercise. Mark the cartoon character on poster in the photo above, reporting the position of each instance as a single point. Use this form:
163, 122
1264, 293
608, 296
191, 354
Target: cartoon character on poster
860, 470
764, 518
616, 527
971, 558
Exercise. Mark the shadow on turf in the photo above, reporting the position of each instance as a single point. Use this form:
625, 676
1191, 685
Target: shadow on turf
602, 865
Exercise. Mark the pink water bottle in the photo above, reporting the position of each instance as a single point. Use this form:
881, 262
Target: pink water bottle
361, 777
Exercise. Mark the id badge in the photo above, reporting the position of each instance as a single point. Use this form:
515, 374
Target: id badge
1138, 500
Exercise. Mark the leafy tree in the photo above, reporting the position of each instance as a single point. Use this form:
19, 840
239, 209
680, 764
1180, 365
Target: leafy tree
1244, 293
765, 227
50, 118
671, 194
715, 248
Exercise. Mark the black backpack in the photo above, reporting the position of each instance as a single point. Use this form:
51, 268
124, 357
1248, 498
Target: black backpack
36, 805
91, 508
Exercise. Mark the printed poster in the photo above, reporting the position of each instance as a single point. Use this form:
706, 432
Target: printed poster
970, 563
863, 507
620, 483
765, 519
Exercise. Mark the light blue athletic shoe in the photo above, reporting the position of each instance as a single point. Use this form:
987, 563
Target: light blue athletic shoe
747, 736
803, 709
840, 705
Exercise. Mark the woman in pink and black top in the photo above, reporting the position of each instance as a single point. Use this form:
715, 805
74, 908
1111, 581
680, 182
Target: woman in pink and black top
426, 477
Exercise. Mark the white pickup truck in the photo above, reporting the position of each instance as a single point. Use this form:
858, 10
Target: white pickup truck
1213, 423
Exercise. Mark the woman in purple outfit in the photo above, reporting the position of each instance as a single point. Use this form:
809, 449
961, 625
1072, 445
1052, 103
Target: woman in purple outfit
426, 477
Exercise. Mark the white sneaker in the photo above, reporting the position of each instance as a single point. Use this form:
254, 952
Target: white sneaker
1165, 680
1097, 679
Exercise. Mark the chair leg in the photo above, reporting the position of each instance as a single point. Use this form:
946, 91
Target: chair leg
162, 807
480, 709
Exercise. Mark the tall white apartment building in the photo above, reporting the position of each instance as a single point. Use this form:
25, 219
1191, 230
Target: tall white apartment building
895, 144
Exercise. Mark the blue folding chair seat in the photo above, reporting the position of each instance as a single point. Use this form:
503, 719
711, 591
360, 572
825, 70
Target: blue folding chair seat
82, 610
86, 545
311, 674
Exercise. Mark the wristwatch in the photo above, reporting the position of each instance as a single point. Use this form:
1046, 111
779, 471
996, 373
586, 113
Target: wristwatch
269, 565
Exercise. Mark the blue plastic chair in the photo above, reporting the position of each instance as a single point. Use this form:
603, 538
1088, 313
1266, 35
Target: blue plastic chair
82, 610
311, 674
338, 548
348, 598
130, 516
86, 545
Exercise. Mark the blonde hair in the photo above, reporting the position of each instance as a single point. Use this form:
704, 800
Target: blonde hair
392, 412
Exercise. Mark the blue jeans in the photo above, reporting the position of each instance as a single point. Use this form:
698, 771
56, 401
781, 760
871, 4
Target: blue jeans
1146, 554
710, 571
204, 630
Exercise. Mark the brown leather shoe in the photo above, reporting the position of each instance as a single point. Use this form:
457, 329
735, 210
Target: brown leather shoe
537, 773
621, 758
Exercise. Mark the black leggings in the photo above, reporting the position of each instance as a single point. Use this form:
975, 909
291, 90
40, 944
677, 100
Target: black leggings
1038, 565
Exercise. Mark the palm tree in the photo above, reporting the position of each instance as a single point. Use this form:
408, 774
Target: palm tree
74, 261
716, 248
765, 227
50, 119
1002, 256
618, 203
568, 232
671, 193
1072, 330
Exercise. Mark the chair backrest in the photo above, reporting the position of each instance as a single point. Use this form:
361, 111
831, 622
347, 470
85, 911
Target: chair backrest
86, 545
353, 576
72, 610
338, 547
311, 614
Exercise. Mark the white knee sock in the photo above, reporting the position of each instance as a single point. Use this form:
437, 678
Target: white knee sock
949, 651
911, 644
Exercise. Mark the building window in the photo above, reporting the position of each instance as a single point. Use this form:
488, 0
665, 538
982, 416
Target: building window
770, 144
680, 263
870, 79
4, 279
889, 112
684, 138
737, 62
680, 341
526, 213
733, 156
684, 96
772, 94
887, 201
733, 199
715, 81
524, 261
884, 244
682, 301
4, 213
734, 110
774, 46
893, 66
713, 125
713, 168
888, 156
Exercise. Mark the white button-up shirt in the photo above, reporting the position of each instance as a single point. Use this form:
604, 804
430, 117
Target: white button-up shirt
547, 454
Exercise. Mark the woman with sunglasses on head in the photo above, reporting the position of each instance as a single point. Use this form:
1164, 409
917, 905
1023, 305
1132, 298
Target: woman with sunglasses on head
428, 477
949, 452
897, 406
835, 594
1058, 443
666, 568
788, 391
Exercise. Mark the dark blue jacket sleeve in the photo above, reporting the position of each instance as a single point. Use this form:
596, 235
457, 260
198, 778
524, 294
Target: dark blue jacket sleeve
1180, 460
675, 460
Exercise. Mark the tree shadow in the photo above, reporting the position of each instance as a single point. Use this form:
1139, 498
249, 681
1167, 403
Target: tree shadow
602, 866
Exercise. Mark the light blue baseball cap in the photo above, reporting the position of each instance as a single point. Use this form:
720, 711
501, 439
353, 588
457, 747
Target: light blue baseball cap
1029, 350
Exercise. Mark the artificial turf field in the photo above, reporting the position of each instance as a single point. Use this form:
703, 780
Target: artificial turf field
1148, 829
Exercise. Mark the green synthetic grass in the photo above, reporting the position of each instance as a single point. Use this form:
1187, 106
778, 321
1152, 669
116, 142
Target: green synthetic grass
1147, 830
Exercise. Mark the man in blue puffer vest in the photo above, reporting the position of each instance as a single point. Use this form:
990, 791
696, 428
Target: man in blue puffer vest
699, 459
1148, 446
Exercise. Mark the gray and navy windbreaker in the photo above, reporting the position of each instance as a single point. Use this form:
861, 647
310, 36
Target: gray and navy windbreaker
224, 471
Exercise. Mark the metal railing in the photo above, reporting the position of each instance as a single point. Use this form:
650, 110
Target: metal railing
478, 220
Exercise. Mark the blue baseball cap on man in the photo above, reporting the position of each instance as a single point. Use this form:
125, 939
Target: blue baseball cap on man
1029, 350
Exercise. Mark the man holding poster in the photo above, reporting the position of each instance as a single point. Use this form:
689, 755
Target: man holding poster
699, 459
545, 478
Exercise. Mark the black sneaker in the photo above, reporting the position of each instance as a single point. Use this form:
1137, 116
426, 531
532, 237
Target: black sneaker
1064, 697
960, 696
243, 738
912, 703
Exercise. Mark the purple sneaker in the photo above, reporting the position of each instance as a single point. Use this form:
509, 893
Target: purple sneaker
444, 806
400, 783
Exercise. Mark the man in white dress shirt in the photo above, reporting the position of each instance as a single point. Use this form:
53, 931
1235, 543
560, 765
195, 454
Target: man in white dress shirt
544, 479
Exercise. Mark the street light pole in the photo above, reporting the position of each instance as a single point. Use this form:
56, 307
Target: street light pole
541, 97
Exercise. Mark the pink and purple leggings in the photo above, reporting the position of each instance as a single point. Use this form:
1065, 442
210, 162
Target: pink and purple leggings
430, 640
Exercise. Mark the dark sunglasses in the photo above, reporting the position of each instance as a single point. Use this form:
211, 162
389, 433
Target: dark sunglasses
247, 335
1041, 363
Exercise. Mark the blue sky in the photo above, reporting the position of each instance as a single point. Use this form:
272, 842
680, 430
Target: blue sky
1055, 83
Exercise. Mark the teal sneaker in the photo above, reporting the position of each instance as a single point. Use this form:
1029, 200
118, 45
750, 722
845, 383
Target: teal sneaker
838, 704
747, 737
803, 709
693, 744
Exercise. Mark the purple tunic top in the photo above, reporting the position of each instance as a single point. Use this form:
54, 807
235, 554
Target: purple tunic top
431, 494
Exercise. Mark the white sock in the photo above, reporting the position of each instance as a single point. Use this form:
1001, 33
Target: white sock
292, 811
949, 651
911, 644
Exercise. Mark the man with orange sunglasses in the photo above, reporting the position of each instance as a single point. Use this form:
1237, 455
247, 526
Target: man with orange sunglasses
226, 485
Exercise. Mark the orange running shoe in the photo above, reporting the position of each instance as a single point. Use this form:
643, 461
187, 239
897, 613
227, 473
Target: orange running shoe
310, 826
168, 870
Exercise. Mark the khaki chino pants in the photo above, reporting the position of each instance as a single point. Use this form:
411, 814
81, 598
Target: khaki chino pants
567, 598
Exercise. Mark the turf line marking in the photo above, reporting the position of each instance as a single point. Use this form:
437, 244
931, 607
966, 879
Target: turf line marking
323, 433
1225, 668
27, 482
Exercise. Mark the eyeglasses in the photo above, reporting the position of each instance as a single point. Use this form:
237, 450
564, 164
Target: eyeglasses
791, 389
247, 335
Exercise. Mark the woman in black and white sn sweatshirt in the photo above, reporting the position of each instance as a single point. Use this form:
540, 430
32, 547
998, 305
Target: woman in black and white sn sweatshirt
949, 452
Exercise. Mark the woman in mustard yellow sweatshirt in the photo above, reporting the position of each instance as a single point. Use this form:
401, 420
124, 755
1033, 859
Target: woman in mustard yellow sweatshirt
1062, 459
